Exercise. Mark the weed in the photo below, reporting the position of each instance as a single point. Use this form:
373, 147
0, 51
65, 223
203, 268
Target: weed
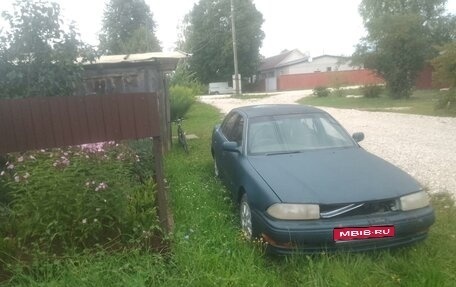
321, 91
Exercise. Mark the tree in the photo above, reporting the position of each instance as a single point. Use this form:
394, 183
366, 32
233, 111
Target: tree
402, 35
128, 27
445, 65
37, 56
207, 36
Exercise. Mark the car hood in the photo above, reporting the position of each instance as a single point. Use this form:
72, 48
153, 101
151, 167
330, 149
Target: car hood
332, 176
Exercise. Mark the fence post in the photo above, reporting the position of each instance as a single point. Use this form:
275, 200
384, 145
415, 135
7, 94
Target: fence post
163, 212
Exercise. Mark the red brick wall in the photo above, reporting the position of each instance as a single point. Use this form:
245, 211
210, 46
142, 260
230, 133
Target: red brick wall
327, 79
424, 79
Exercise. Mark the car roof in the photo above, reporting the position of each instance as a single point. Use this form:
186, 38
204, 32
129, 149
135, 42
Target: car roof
278, 109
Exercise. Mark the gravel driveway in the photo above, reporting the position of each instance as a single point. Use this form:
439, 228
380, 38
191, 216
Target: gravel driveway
423, 146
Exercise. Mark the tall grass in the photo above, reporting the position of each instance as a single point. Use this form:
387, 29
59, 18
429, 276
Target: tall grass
208, 249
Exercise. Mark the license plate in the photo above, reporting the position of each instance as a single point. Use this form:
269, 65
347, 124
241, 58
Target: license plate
356, 233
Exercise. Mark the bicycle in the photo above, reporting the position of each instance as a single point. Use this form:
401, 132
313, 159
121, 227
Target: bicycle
181, 135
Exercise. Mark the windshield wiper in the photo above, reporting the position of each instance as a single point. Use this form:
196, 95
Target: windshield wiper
284, 152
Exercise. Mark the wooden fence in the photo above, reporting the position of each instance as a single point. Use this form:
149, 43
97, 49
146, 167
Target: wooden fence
45, 122
48, 122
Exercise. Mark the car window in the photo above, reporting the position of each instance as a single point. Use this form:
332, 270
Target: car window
232, 128
236, 132
228, 124
294, 133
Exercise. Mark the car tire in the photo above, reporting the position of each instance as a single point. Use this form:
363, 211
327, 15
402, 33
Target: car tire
245, 213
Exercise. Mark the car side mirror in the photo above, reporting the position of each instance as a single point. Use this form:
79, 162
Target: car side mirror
358, 137
231, 146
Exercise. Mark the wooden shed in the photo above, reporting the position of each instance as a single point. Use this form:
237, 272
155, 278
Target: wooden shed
134, 73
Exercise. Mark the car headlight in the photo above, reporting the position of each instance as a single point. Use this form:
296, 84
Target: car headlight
414, 201
288, 211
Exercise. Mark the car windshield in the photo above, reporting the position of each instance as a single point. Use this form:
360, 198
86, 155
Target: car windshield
295, 133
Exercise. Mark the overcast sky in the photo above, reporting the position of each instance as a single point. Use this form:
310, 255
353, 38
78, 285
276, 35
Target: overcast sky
314, 26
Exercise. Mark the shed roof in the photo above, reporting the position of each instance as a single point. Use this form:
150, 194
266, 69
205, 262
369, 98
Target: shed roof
168, 60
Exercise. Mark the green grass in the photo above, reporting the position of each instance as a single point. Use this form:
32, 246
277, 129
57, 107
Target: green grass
422, 102
208, 249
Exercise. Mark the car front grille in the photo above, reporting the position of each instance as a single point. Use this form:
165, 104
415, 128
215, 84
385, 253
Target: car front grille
360, 208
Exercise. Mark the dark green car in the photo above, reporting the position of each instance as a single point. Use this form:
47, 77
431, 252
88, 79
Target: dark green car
303, 184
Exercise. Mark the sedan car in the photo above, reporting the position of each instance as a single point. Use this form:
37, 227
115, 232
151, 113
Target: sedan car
303, 184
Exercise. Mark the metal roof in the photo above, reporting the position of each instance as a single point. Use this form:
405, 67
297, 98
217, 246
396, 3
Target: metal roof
143, 57
168, 60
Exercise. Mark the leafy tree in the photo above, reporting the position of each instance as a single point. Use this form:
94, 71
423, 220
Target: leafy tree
207, 36
37, 56
445, 72
128, 27
401, 37
445, 64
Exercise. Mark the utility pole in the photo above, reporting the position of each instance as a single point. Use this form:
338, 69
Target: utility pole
236, 70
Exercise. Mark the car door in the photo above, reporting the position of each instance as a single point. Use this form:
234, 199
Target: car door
231, 130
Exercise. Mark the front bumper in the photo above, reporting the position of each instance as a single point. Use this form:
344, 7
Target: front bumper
286, 236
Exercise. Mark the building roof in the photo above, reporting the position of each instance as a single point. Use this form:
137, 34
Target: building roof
331, 56
276, 61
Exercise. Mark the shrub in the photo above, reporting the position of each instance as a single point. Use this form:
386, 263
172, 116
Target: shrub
321, 91
181, 99
371, 91
338, 92
66, 199
447, 100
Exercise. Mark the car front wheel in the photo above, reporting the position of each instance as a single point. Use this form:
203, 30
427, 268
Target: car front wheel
246, 217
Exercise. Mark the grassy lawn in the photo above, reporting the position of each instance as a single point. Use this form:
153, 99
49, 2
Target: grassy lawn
208, 249
422, 102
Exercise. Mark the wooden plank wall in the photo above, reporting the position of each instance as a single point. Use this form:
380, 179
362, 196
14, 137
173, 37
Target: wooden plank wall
46, 122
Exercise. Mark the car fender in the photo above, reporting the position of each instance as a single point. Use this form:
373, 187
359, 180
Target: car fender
260, 194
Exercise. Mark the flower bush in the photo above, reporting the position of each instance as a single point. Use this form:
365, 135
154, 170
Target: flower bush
76, 198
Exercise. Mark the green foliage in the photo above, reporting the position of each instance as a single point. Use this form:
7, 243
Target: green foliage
208, 249
321, 91
207, 36
401, 37
128, 27
445, 65
447, 100
181, 99
371, 91
38, 57
338, 92
73, 199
